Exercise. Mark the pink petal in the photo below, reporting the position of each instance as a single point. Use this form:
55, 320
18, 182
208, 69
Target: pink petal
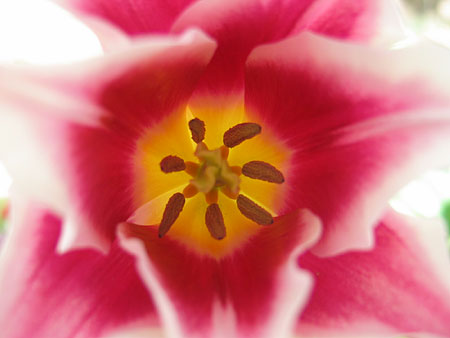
362, 122
82, 293
139, 333
350, 20
401, 287
239, 26
119, 83
132, 16
82, 124
110, 36
253, 293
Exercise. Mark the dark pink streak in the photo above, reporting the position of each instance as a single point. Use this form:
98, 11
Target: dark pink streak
82, 293
150, 91
247, 281
357, 135
393, 288
99, 161
343, 19
102, 168
238, 27
134, 17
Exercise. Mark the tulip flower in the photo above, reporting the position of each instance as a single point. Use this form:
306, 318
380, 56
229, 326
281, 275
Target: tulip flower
213, 187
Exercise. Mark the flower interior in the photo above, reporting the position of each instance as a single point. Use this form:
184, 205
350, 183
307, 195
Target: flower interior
219, 178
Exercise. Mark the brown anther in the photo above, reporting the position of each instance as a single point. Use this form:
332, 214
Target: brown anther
212, 196
214, 221
171, 213
253, 211
262, 171
236, 169
191, 168
197, 128
170, 164
190, 191
239, 133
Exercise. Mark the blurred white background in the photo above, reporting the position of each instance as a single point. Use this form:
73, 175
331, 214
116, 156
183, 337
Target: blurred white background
39, 32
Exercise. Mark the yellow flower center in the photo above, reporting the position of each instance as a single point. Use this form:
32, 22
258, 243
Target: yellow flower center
209, 199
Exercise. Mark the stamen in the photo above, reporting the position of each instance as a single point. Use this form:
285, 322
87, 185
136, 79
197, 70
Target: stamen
190, 191
198, 130
253, 211
214, 221
171, 213
262, 171
212, 196
191, 168
224, 152
170, 164
239, 133
213, 173
236, 169
201, 146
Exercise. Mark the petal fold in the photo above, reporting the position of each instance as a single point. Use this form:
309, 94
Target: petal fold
70, 144
240, 26
249, 293
363, 21
131, 16
362, 122
153, 75
82, 293
400, 287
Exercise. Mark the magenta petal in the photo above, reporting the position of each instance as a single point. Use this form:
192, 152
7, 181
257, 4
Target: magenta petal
132, 16
238, 26
350, 20
362, 122
401, 287
255, 292
72, 139
130, 89
82, 293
